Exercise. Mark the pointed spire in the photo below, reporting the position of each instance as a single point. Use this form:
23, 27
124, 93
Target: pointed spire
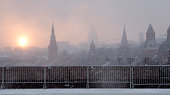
124, 48
150, 43
92, 45
52, 48
124, 40
150, 29
150, 34
53, 39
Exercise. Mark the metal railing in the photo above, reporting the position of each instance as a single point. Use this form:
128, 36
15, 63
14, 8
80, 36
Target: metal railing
132, 75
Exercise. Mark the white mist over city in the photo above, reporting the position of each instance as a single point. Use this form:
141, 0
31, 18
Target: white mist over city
109, 45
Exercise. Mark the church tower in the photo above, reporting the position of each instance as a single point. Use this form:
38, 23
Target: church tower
150, 47
150, 43
124, 48
52, 48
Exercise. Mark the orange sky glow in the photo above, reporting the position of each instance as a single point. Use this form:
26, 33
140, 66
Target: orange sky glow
74, 18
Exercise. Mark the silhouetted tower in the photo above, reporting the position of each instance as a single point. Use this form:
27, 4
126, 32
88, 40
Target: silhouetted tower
150, 47
92, 49
124, 48
150, 43
52, 48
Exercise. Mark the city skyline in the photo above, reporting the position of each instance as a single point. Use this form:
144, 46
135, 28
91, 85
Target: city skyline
75, 18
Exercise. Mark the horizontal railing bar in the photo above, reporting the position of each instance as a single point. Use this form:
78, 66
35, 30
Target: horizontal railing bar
93, 66
151, 84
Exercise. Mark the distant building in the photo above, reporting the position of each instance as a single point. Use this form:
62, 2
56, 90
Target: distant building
164, 50
150, 46
124, 47
52, 48
92, 36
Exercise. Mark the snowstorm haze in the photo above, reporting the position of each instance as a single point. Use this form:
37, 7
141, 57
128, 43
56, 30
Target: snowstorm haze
74, 18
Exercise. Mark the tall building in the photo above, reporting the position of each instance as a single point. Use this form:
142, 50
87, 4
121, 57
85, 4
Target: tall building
150, 46
124, 48
164, 50
52, 48
92, 36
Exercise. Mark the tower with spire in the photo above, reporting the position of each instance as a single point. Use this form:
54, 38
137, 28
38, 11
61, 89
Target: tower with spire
124, 48
150, 46
52, 48
164, 50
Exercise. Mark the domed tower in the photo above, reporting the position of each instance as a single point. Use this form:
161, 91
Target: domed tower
52, 48
150, 47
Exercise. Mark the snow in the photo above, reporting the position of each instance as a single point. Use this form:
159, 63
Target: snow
84, 91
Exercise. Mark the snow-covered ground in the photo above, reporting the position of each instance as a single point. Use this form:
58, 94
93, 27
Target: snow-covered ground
85, 92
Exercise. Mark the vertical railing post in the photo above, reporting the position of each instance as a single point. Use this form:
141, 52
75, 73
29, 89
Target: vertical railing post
132, 76
44, 86
2, 85
130, 60
87, 70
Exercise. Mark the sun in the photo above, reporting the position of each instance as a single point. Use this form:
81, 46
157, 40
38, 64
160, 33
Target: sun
23, 41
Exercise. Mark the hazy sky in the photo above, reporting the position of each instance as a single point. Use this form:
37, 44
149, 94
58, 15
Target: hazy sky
73, 19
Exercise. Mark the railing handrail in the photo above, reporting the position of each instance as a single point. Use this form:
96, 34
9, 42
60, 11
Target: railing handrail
88, 65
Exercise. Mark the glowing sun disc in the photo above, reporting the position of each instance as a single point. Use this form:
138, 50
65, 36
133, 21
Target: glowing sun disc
22, 41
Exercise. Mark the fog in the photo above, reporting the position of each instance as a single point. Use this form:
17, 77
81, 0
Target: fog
74, 18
